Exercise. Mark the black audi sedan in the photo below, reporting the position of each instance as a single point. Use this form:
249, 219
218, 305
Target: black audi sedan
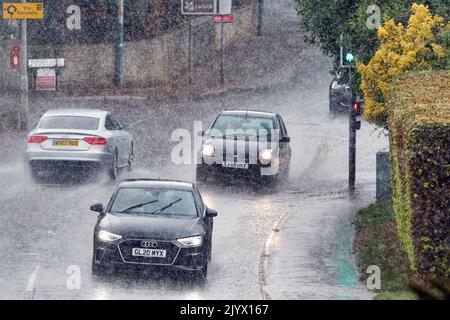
157, 224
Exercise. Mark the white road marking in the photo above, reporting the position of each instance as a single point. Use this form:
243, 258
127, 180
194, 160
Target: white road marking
32, 279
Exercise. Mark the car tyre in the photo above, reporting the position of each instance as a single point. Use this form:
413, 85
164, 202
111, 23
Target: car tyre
131, 159
102, 272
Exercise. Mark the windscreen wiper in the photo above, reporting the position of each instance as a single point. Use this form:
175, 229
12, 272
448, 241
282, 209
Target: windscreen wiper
138, 206
165, 207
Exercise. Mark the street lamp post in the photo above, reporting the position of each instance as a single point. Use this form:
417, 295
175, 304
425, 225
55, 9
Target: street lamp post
23, 110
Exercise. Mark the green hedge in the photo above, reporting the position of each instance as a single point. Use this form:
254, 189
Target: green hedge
419, 125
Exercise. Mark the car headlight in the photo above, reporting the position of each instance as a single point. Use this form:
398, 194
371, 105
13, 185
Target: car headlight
108, 236
208, 150
195, 241
265, 156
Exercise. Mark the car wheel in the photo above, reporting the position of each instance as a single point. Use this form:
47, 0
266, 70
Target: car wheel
333, 112
131, 159
97, 270
286, 171
209, 251
114, 171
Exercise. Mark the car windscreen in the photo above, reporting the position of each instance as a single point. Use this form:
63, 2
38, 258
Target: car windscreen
69, 122
226, 125
153, 201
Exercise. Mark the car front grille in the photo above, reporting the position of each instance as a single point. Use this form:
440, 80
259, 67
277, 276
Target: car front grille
126, 248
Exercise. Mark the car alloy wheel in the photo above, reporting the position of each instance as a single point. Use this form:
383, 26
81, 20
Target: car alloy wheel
131, 159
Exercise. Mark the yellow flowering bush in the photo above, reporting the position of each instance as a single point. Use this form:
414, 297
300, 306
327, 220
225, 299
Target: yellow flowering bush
401, 49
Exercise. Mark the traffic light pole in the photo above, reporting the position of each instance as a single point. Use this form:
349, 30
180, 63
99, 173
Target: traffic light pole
23, 110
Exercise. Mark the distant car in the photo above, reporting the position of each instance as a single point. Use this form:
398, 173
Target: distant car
339, 93
242, 143
78, 138
157, 224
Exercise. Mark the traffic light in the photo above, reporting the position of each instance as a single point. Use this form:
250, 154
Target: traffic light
349, 57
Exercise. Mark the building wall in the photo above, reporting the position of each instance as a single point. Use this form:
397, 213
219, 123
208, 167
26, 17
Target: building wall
160, 60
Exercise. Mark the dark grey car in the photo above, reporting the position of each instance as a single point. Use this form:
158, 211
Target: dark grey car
156, 224
339, 93
250, 144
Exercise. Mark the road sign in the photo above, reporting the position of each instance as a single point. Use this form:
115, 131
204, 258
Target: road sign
23, 10
206, 7
15, 57
223, 19
46, 79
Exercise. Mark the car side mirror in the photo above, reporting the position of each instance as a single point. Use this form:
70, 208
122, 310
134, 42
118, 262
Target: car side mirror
98, 207
210, 213
285, 139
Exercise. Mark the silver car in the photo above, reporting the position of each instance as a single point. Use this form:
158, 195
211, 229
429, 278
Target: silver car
77, 137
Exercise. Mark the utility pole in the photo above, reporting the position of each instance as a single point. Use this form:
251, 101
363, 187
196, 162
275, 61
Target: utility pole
260, 17
119, 62
23, 110
352, 141
190, 49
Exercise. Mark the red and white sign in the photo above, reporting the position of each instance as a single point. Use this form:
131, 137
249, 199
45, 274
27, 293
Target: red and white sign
15, 56
46, 79
223, 19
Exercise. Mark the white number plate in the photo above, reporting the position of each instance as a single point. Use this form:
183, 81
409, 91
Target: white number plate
149, 253
235, 165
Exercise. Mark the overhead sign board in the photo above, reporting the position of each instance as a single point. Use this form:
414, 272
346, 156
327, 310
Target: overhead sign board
14, 10
206, 7
46, 63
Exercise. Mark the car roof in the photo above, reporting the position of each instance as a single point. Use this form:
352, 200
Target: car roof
249, 113
156, 183
76, 112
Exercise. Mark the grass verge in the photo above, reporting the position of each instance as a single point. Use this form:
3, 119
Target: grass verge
377, 243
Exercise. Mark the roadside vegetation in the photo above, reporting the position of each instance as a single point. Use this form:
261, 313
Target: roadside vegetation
377, 243
403, 74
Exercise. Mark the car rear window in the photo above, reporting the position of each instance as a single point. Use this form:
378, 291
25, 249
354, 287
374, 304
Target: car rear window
69, 122
153, 201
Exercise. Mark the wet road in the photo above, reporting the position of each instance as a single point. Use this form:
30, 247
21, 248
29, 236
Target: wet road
46, 230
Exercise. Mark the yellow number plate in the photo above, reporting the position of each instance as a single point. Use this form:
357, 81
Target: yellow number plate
65, 143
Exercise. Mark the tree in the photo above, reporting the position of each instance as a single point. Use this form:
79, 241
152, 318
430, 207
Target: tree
402, 49
325, 20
